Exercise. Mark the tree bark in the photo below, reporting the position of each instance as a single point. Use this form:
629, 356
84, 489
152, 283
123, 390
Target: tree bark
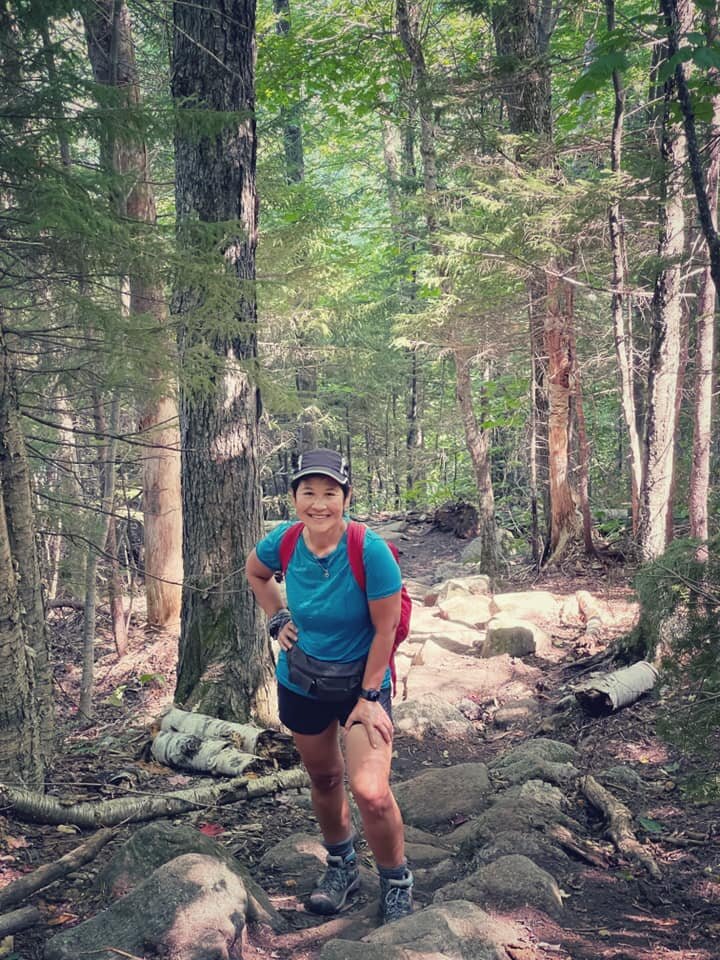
26, 717
478, 443
112, 55
664, 361
225, 666
621, 311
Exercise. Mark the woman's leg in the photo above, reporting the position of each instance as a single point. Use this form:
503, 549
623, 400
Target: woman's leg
369, 775
323, 760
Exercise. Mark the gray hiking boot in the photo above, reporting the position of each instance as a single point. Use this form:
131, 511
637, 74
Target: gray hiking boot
331, 891
396, 899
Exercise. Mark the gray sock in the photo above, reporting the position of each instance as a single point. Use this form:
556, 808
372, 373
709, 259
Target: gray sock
394, 873
344, 849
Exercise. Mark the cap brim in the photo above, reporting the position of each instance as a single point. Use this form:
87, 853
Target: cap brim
323, 472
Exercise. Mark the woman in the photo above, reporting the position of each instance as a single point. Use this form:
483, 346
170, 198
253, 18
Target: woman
331, 620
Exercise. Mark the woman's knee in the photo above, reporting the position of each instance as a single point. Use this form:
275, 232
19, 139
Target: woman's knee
373, 796
327, 780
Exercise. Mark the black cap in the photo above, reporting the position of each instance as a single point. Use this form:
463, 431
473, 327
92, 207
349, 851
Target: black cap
327, 463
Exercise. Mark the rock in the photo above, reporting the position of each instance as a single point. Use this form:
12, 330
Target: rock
467, 609
440, 648
478, 585
192, 908
449, 569
160, 842
512, 881
528, 605
569, 610
508, 813
435, 797
536, 791
513, 638
453, 930
473, 552
431, 716
470, 709
424, 854
295, 862
522, 770
541, 748
534, 846
621, 776
515, 714
416, 835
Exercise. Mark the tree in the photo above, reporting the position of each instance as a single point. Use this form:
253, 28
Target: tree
225, 661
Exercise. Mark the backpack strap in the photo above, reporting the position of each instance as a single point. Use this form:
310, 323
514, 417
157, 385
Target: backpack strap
355, 543
288, 542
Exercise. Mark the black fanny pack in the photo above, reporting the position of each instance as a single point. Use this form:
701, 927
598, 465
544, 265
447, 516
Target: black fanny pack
325, 679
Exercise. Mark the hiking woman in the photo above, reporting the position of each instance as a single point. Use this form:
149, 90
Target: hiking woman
332, 672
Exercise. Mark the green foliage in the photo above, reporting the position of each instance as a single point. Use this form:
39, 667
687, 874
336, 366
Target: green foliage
679, 598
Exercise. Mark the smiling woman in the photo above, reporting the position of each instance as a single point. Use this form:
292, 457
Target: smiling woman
335, 644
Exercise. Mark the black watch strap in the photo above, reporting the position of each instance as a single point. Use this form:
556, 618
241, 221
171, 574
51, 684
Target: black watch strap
372, 695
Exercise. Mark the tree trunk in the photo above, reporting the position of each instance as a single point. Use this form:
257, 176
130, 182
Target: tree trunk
583, 445
112, 55
621, 312
478, 443
565, 523
225, 663
664, 360
705, 335
26, 715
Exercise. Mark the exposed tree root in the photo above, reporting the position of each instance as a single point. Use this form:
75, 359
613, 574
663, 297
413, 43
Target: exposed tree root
43, 809
19, 920
620, 829
17, 891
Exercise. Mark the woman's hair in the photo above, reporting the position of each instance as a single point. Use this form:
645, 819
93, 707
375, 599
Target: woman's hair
324, 463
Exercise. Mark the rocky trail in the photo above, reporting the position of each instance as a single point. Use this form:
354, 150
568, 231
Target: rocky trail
535, 831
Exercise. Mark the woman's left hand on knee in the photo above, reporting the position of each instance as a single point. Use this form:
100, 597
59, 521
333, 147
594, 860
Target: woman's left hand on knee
375, 720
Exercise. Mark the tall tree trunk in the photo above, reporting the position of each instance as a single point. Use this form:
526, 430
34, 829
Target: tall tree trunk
661, 420
705, 333
290, 116
225, 664
621, 309
478, 443
565, 524
26, 712
112, 55
583, 445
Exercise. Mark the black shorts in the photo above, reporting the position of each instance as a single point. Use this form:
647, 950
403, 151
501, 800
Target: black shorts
308, 716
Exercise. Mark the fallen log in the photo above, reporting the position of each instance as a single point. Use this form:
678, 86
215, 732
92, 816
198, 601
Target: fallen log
19, 920
189, 752
39, 808
245, 736
611, 691
20, 889
620, 829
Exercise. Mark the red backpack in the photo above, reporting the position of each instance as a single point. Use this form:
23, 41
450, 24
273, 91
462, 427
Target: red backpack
355, 542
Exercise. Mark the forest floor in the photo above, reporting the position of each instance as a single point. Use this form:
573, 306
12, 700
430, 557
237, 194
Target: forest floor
612, 914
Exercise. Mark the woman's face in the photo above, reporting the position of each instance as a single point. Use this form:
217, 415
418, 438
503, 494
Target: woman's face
320, 503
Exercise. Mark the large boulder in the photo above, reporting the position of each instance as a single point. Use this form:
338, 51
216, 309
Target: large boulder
295, 862
513, 637
512, 881
430, 717
472, 611
541, 748
528, 605
510, 812
192, 908
536, 847
517, 713
453, 930
476, 585
160, 842
438, 796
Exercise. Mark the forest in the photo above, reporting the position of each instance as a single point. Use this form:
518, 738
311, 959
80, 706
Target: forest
472, 244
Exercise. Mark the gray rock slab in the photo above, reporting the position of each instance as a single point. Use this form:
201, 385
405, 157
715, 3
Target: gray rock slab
535, 791
561, 774
513, 881
435, 797
192, 908
536, 847
448, 569
509, 813
294, 863
160, 842
432, 716
472, 611
623, 777
541, 748
513, 638
456, 930
424, 854
519, 713
528, 604
477, 585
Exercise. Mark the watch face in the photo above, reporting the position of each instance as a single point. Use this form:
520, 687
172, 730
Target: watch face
371, 695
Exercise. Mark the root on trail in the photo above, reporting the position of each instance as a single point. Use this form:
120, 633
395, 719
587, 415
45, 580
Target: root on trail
620, 829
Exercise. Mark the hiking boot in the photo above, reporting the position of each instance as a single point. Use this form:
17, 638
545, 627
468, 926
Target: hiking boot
396, 899
331, 891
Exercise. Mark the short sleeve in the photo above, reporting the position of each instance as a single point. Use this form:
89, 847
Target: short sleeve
268, 549
382, 573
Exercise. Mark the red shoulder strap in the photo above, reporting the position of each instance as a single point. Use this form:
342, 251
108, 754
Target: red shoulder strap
288, 542
355, 542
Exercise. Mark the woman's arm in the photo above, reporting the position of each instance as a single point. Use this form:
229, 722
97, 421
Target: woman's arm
263, 584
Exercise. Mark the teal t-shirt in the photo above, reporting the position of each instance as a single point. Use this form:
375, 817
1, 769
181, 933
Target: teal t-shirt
328, 607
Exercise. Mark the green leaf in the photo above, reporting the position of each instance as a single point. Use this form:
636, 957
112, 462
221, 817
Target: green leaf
652, 826
707, 57
598, 73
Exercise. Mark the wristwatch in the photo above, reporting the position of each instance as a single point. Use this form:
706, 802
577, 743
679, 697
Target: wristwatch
372, 695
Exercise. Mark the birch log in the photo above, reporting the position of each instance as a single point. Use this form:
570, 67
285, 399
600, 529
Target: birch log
39, 808
610, 692
246, 737
209, 756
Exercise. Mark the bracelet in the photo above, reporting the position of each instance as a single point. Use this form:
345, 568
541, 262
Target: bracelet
277, 621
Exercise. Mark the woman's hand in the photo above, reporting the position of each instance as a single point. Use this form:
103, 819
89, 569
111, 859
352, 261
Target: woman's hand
287, 637
373, 717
